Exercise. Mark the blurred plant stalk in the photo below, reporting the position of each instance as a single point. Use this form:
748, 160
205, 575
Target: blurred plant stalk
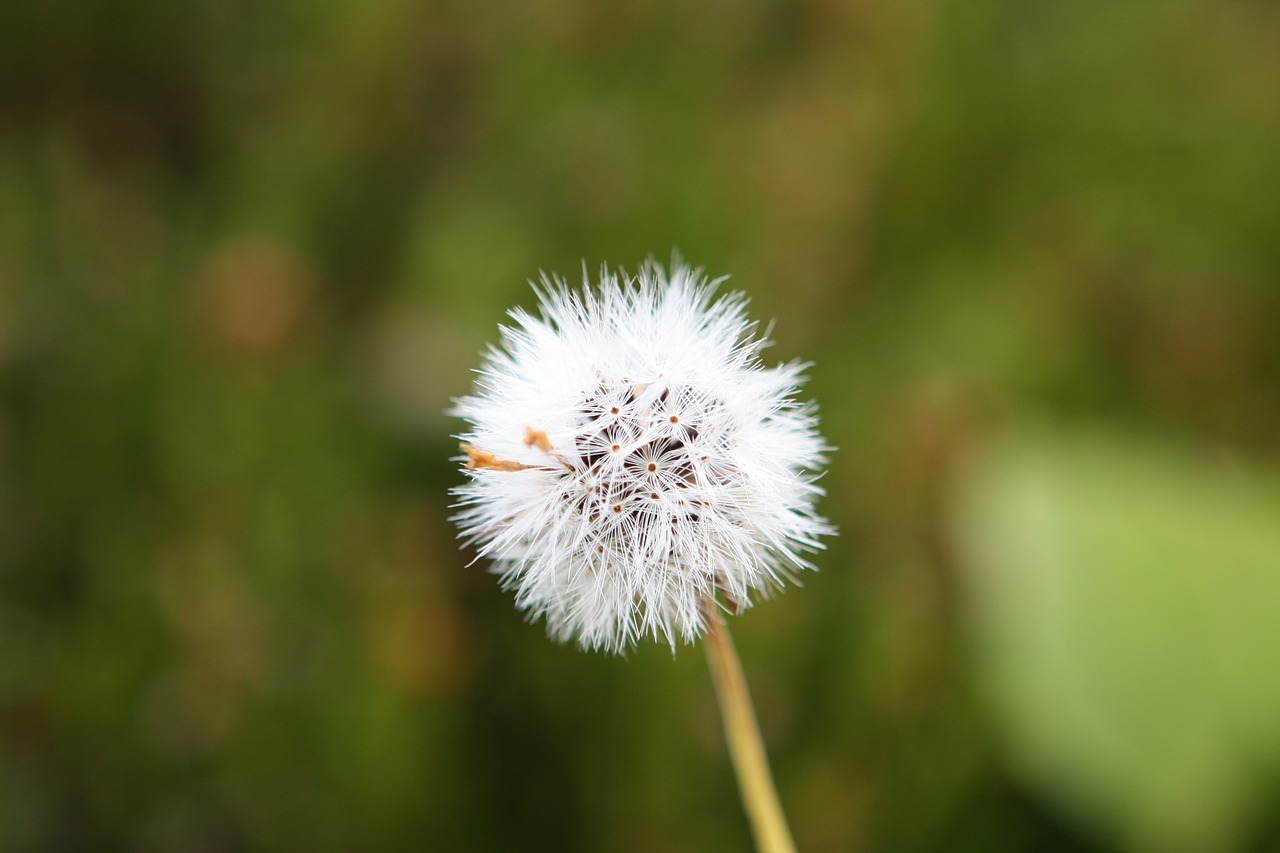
746, 746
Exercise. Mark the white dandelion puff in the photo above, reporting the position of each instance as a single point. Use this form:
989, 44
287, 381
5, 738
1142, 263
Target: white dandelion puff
629, 457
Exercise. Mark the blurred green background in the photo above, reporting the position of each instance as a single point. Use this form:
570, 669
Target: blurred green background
249, 251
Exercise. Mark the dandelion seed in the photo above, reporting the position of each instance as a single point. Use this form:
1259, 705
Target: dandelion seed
642, 387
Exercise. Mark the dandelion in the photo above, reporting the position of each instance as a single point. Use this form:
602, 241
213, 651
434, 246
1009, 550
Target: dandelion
631, 462
629, 456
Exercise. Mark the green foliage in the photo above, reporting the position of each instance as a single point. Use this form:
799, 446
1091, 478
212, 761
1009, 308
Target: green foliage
248, 252
1123, 602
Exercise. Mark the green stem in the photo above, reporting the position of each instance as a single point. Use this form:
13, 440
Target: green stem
746, 747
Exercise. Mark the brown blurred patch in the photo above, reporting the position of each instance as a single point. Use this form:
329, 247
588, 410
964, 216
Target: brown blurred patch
938, 424
253, 293
831, 804
417, 645
815, 153
416, 637
224, 628
1195, 349
187, 715
8, 326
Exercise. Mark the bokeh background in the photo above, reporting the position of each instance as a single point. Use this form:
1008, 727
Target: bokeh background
248, 253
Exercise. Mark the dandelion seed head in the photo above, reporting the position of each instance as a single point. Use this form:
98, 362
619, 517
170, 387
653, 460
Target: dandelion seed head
629, 456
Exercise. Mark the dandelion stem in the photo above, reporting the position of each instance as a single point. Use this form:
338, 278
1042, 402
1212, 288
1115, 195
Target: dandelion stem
746, 747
